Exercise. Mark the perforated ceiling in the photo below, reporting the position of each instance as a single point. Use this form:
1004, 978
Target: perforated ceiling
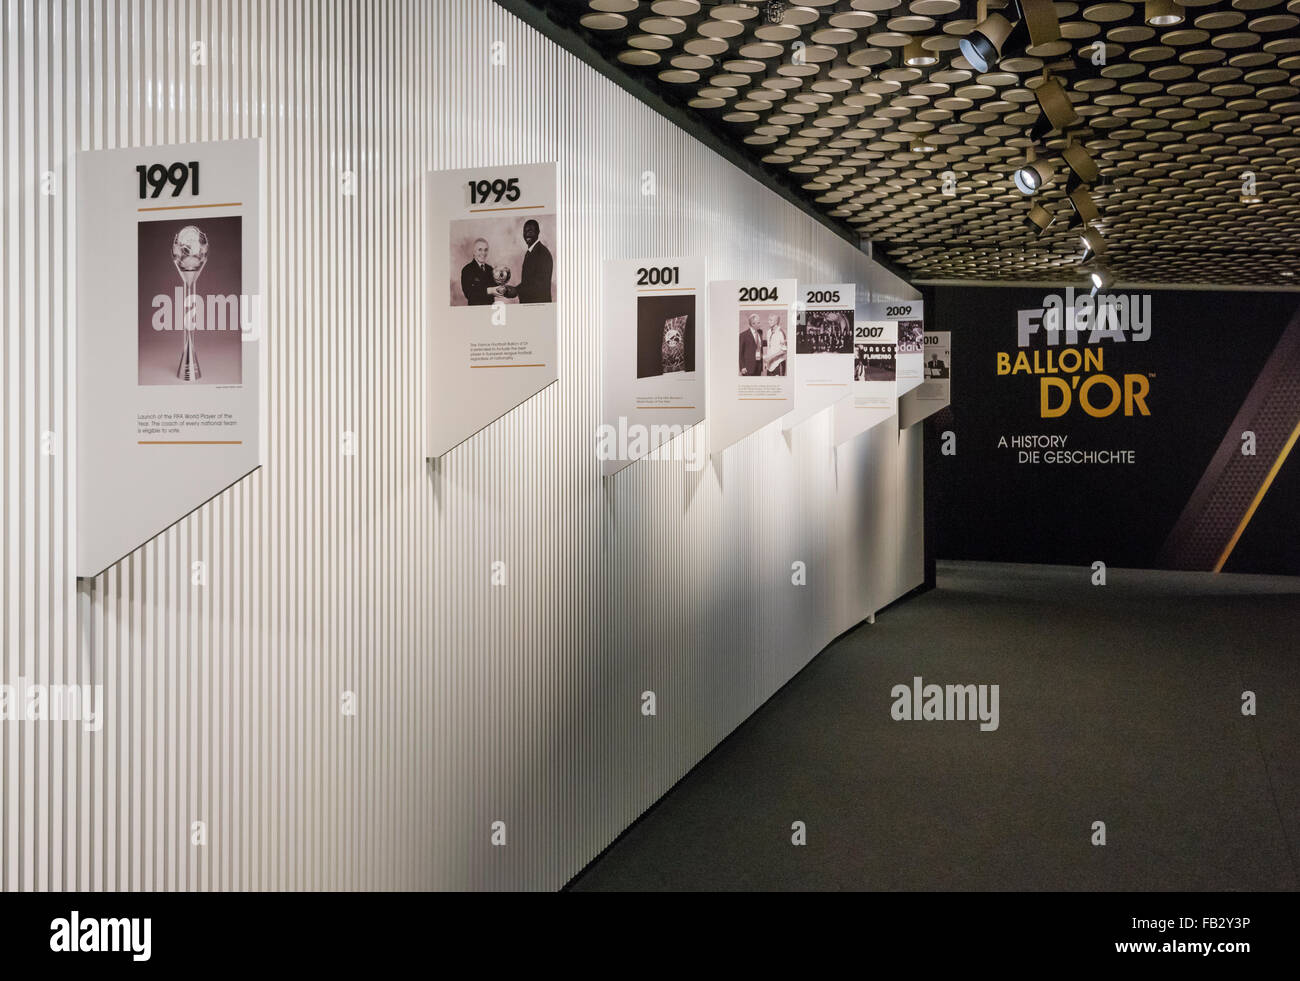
920, 159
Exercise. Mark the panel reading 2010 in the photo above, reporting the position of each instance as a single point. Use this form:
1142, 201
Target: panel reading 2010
158, 176
658, 276
758, 294
493, 192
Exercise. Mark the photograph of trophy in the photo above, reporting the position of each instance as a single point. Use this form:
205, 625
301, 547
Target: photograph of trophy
665, 335
673, 352
190, 255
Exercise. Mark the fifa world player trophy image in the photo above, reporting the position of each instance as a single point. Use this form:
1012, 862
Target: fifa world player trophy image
674, 345
665, 334
190, 254
190, 309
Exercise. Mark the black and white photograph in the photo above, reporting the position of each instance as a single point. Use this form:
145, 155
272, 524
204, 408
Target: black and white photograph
936, 365
492, 323
824, 332
665, 335
911, 336
873, 362
502, 260
763, 346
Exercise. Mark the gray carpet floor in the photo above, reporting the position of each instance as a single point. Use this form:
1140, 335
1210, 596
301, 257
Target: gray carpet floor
1118, 703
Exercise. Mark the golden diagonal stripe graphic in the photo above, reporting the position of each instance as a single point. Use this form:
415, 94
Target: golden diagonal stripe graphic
1234, 483
1259, 496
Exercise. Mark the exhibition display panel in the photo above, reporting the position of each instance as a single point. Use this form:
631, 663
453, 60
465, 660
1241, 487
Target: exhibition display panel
887, 342
750, 383
652, 341
492, 295
169, 333
935, 392
822, 363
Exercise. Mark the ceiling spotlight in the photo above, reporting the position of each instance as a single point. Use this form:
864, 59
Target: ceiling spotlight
915, 54
1034, 175
1085, 209
1057, 110
1093, 244
1164, 13
922, 145
1039, 218
1080, 163
1039, 17
1251, 199
983, 46
995, 37
1101, 281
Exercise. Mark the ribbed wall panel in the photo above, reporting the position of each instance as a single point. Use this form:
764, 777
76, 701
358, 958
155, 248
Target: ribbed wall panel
371, 572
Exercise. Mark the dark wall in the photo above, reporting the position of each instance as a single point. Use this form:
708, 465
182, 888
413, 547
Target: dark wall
1203, 356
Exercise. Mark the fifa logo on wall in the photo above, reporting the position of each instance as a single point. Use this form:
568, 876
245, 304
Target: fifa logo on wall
1065, 343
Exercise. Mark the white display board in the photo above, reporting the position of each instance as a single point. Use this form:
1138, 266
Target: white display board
935, 392
652, 333
822, 366
888, 339
169, 336
873, 396
910, 318
749, 352
493, 277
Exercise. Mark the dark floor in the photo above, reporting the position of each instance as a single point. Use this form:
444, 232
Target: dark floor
1117, 703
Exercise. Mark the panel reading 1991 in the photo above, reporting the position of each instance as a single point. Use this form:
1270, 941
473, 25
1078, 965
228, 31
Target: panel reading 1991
169, 330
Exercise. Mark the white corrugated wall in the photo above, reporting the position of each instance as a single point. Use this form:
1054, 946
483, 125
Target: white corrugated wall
370, 573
